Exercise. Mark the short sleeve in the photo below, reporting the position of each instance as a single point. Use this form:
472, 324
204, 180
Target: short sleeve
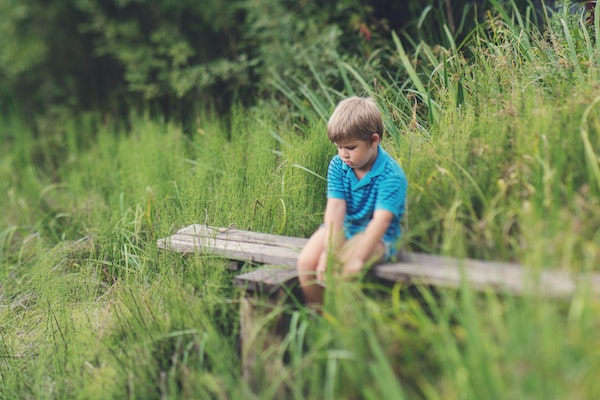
392, 194
335, 179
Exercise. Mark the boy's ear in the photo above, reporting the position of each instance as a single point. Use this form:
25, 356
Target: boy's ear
375, 138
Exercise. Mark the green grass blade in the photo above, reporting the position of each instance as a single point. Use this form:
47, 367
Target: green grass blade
590, 154
414, 77
572, 50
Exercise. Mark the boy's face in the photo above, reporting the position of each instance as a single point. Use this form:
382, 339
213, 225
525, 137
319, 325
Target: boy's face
358, 154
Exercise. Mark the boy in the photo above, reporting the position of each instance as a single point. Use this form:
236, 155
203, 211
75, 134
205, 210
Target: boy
366, 193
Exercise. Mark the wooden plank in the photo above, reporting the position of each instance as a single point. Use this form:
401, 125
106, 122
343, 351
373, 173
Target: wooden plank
249, 252
236, 235
261, 335
480, 276
266, 280
498, 276
452, 273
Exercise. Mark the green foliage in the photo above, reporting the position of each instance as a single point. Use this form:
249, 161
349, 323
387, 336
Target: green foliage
111, 55
174, 56
21, 47
167, 48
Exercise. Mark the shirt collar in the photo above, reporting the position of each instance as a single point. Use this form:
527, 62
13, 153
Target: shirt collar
379, 165
377, 169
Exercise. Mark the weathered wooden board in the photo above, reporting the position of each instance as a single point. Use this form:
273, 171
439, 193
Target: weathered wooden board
414, 267
235, 244
266, 280
497, 276
234, 234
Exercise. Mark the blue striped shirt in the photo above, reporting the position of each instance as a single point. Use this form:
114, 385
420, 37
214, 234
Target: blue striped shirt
382, 188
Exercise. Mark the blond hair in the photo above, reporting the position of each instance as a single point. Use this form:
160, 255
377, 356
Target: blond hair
355, 118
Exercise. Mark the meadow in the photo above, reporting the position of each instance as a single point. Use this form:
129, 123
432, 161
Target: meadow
500, 140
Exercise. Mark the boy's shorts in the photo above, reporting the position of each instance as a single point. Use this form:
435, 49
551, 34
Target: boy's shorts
390, 251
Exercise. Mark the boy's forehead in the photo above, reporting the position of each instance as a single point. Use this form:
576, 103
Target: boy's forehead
350, 142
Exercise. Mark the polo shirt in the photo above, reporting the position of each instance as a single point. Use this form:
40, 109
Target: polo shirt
383, 187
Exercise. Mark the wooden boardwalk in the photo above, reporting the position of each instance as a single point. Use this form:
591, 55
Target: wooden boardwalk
265, 288
417, 268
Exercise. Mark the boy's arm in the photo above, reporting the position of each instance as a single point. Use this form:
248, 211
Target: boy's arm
335, 211
364, 249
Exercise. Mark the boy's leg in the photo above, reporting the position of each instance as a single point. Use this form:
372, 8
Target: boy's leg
347, 253
307, 265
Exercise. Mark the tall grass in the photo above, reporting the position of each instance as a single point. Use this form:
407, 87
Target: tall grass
499, 140
88, 301
495, 136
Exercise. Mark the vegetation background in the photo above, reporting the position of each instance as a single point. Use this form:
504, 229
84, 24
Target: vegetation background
125, 120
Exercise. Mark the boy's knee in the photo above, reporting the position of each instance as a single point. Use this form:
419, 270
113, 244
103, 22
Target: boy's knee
347, 252
309, 256
303, 264
306, 271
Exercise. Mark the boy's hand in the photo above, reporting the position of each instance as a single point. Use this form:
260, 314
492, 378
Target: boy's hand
352, 267
366, 247
322, 267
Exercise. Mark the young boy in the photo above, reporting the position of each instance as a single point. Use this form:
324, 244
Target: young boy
366, 193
